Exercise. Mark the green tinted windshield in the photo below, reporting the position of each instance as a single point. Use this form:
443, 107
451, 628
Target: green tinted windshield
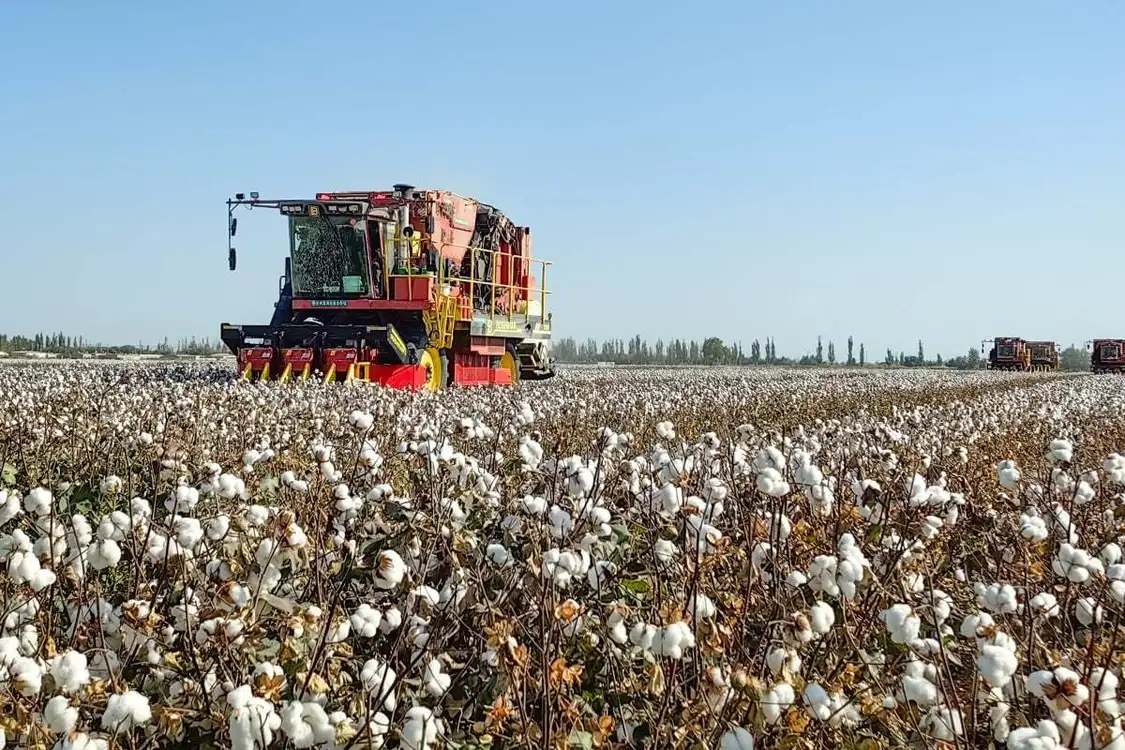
329, 256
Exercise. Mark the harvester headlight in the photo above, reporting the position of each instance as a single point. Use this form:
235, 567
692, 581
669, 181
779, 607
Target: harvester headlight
340, 209
293, 209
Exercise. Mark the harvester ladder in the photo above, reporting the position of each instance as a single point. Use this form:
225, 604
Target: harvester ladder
440, 319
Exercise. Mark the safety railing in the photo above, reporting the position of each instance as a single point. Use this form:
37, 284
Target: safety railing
498, 296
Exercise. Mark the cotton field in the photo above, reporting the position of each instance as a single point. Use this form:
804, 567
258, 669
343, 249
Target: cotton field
696, 558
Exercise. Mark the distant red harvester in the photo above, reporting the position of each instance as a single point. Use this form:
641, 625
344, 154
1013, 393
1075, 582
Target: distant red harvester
1008, 353
408, 288
1107, 355
1044, 355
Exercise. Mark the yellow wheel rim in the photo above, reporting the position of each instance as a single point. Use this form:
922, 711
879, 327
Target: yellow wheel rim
430, 358
508, 362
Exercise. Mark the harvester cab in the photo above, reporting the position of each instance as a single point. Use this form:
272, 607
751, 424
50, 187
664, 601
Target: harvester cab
1107, 355
403, 287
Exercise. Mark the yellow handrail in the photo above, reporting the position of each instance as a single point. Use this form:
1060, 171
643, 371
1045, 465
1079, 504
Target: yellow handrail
394, 241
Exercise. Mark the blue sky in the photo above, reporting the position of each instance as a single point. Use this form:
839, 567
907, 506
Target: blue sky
742, 169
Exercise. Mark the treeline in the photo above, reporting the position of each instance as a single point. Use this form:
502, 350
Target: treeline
64, 344
709, 351
714, 351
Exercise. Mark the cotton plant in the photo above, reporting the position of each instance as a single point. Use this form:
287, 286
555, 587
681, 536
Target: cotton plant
323, 566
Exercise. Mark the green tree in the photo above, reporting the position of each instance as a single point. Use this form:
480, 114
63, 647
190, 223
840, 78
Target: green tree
1074, 359
831, 353
714, 351
862, 355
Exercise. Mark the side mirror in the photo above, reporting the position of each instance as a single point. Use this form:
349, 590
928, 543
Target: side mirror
232, 259
233, 226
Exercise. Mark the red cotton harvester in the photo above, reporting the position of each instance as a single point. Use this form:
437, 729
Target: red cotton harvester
1107, 355
407, 288
1008, 353
1044, 355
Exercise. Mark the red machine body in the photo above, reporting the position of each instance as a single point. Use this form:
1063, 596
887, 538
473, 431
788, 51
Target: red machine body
1107, 356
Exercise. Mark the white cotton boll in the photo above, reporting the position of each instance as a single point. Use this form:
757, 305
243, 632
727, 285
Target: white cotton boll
901, 622
771, 483
822, 575
125, 711
252, 722
1033, 528
776, 701
533, 506
821, 617
1088, 611
944, 723
783, 659
60, 716
669, 499
917, 686
1104, 683
702, 607
1074, 564
675, 640
69, 671
39, 501
390, 569
996, 597
1084, 493
666, 551
1043, 736
616, 625
997, 665
9, 506
972, 625
1045, 604
1008, 475
218, 527
737, 739
931, 527
559, 522
421, 729
230, 487
104, 554
1060, 451
817, 702
25, 676
379, 680
189, 532
498, 555
1110, 554
435, 681
306, 724
183, 499
601, 574
643, 636
1061, 688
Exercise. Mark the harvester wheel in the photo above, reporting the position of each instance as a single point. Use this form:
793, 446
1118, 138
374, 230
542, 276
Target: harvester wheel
510, 362
437, 368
